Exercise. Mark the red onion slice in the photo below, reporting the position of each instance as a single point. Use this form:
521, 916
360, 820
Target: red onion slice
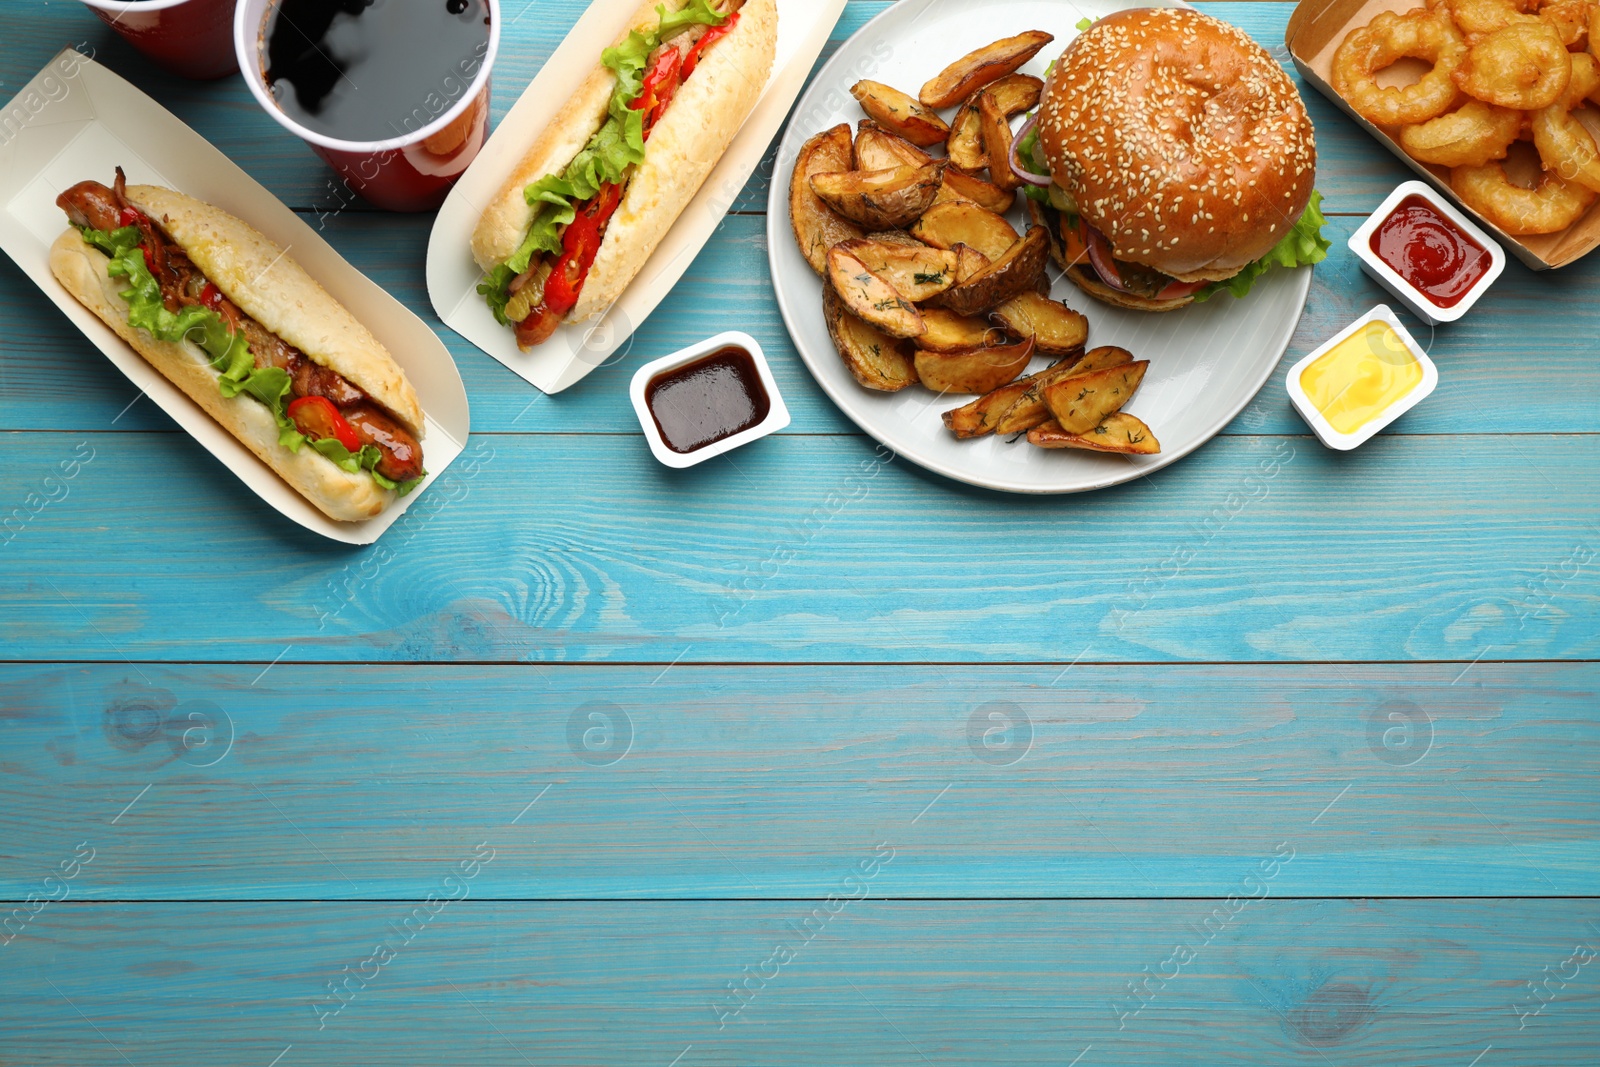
1016, 166
1100, 258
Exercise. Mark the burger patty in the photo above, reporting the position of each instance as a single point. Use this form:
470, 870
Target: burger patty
95, 206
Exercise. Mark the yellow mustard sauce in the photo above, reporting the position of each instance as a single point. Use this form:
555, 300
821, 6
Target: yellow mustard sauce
1358, 379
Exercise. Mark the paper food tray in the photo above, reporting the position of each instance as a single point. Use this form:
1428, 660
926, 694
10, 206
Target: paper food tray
575, 350
75, 121
1315, 32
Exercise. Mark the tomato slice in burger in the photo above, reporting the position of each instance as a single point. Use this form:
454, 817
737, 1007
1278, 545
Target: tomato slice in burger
1106, 266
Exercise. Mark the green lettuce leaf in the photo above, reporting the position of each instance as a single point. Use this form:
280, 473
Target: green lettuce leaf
605, 160
1084, 24
1302, 245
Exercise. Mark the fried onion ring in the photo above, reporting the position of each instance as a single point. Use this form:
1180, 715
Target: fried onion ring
1565, 147
1524, 66
1419, 34
1594, 31
1469, 136
1485, 16
1550, 207
1569, 17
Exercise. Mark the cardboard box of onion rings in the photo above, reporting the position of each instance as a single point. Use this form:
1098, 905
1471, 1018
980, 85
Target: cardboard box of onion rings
1315, 32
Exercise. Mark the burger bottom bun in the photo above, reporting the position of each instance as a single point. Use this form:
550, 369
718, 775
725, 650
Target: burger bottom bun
1085, 278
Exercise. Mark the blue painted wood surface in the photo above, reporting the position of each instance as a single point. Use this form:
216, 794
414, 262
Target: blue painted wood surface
765, 782
1430, 983
684, 709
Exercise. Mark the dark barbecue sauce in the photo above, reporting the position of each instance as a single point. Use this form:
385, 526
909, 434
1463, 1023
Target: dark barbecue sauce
369, 70
1429, 251
712, 398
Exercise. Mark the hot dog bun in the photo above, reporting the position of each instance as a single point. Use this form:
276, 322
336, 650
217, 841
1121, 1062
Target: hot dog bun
684, 147
276, 291
81, 268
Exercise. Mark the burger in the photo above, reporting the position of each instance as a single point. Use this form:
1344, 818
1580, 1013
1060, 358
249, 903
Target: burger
1171, 158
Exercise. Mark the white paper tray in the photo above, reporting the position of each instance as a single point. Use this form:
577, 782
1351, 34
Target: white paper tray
574, 351
83, 121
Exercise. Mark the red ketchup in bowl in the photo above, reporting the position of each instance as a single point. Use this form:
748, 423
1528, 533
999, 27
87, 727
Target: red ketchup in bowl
1430, 252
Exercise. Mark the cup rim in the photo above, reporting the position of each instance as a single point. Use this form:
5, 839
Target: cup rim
246, 40
127, 7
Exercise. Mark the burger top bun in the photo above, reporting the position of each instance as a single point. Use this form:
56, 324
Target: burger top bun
1184, 143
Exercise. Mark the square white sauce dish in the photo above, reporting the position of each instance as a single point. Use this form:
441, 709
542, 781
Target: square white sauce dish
707, 399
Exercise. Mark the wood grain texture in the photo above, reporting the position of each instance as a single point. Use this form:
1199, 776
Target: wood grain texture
695, 782
52, 379
812, 548
1376, 983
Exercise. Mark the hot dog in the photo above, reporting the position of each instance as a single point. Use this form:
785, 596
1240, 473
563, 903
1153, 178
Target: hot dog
595, 194
252, 338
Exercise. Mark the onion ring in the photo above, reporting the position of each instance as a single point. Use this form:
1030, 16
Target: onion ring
1569, 17
1565, 147
1485, 16
1524, 66
1469, 136
1418, 34
1594, 31
1551, 207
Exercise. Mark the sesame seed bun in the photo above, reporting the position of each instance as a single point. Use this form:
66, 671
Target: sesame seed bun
1183, 142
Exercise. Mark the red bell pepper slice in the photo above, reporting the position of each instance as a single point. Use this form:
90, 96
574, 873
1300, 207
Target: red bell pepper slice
660, 85
316, 417
211, 296
707, 39
579, 245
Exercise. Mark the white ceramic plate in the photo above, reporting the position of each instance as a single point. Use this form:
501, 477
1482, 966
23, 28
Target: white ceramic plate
576, 350
1206, 361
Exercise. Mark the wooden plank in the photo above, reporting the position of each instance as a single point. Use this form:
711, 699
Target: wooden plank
242, 782
813, 548
1432, 983
51, 379
1355, 173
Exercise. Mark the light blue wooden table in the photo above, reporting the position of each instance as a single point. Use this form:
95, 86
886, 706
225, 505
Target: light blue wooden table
1277, 757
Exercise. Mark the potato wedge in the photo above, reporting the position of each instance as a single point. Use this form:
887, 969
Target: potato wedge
1058, 329
959, 223
894, 237
1030, 410
916, 271
969, 262
994, 128
881, 199
959, 185
817, 227
1017, 271
1014, 93
964, 146
979, 68
979, 417
899, 113
878, 149
1082, 402
946, 331
871, 298
972, 370
873, 358
1121, 433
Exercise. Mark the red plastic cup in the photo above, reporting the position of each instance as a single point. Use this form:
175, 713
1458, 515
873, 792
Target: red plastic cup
412, 172
189, 38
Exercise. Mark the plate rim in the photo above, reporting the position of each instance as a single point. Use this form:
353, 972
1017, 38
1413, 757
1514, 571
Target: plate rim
779, 230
